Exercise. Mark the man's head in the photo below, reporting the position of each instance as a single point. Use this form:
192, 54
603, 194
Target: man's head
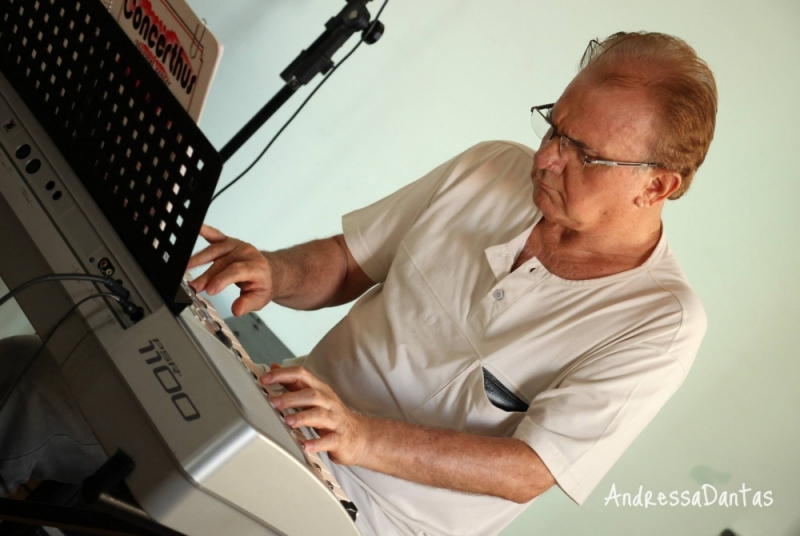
679, 85
638, 98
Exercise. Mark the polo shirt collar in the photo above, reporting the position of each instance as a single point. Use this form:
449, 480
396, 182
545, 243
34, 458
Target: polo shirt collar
502, 256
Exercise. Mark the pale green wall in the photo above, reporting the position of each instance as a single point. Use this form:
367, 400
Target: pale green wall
450, 73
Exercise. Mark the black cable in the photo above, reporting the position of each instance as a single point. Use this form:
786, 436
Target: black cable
47, 339
112, 285
328, 75
121, 294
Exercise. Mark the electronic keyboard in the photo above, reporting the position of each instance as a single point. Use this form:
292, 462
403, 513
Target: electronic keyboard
175, 391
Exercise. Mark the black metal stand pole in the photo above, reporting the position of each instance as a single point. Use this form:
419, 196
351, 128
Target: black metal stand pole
259, 119
316, 59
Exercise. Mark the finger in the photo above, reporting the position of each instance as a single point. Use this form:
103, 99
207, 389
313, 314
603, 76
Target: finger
326, 443
243, 272
200, 283
288, 384
296, 375
211, 234
194, 261
253, 292
248, 302
312, 418
305, 398
211, 253
231, 254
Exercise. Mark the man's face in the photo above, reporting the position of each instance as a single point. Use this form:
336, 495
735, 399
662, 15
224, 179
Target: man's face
614, 124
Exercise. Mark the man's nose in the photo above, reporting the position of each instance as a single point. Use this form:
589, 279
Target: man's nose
549, 158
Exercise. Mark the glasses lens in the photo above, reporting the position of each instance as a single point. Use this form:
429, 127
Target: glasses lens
539, 124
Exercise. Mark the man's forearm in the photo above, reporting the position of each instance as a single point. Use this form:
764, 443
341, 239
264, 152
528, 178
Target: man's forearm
499, 466
308, 276
317, 274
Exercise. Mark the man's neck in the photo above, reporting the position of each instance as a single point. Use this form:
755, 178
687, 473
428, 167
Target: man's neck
629, 241
589, 254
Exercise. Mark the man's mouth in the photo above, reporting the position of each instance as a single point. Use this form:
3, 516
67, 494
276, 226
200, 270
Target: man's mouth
540, 181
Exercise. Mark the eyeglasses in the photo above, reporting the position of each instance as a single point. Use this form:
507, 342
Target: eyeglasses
543, 127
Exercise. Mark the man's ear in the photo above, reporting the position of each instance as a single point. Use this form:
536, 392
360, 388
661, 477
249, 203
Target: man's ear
663, 183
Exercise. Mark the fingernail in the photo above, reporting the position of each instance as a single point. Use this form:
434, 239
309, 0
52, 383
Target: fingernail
276, 401
289, 420
266, 378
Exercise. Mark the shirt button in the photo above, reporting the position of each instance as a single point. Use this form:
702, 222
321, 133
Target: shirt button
498, 294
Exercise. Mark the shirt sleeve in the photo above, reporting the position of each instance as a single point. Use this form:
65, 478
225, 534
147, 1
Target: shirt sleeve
582, 426
374, 233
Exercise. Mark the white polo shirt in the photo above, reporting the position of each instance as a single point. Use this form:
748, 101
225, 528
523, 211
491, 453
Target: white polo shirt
595, 359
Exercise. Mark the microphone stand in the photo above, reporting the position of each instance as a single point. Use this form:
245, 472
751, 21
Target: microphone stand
316, 59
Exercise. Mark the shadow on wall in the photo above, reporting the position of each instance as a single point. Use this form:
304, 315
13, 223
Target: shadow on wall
260, 342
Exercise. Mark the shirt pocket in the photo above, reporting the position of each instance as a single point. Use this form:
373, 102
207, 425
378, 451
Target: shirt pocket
463, 405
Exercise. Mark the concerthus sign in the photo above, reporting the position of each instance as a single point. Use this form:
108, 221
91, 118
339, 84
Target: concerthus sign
178, 46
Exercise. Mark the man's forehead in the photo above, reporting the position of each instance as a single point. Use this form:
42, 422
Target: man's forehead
604, 116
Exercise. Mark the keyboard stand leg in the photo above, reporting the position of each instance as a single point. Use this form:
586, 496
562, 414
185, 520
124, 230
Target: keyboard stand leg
102, 505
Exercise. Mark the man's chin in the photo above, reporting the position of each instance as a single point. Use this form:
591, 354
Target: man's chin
541, 195
543, 201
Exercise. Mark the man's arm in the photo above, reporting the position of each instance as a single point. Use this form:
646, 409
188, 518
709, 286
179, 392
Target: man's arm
500, 466
313, 275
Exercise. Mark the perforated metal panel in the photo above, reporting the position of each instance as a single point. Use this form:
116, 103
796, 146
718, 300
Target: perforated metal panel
141, 157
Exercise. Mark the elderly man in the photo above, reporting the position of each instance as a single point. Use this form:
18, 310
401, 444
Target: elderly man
521, 316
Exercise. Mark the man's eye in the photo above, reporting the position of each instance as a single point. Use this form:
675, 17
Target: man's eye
586, 151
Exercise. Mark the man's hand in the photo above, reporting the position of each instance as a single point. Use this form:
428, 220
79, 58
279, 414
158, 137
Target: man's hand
234, 262
320, 273
342, 431
499, 466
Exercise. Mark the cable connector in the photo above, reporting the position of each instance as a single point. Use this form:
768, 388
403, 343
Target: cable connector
116, 288
133, 311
